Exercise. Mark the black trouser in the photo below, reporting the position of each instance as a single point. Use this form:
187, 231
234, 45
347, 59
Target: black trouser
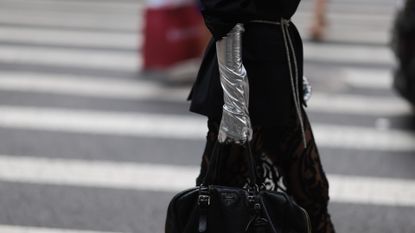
282, 161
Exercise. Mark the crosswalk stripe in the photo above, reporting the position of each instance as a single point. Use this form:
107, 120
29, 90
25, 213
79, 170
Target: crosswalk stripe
378, 16
314, 52
91, 87
81, 15
169, 178
363, 105
72, 58
142, 90
370, 190
132, 40
347, 34
368, 78
73, 6
46, 8
351, 17
27, 229
70, 38
335, 6
132, 124
96, 173
132, 61
115, 22
186, 127
352, 137
348, 54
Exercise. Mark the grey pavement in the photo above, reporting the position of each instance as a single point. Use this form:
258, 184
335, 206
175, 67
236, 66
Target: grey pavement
69, 56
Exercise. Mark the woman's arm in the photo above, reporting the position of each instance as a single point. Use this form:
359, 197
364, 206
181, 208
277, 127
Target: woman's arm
235, 125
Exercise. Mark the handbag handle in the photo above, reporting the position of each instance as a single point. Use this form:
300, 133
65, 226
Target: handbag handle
215, 165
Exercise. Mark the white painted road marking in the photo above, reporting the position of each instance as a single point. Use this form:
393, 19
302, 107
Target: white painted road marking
359, 104
70, 37
169, 178
131, 124
186, 127
90, 87
27, 229
348, 54
45, 55
96, 173
44, 20
70, 57
55, 56
362, 138
101, 5
368, 78
371, 190
141, 90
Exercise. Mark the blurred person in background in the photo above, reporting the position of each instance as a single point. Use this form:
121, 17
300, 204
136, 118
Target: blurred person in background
318, 27
403, 44
258, 36
174, 34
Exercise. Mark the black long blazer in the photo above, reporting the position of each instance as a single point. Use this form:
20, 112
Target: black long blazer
263, 55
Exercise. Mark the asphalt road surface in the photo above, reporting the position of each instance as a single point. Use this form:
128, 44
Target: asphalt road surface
90, 144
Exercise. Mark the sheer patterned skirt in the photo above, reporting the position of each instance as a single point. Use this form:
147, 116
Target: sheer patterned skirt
282, 164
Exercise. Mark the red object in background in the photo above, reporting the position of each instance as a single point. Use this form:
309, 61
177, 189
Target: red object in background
172, 34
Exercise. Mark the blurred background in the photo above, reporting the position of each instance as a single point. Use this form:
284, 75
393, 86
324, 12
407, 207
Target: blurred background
95, 133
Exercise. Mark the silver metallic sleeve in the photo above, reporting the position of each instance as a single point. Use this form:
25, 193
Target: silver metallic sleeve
235, 125
307, 90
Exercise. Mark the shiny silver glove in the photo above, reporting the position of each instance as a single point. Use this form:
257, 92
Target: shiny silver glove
307, 90
235, 125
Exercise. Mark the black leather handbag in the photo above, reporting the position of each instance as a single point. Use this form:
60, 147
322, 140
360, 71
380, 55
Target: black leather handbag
212, 208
